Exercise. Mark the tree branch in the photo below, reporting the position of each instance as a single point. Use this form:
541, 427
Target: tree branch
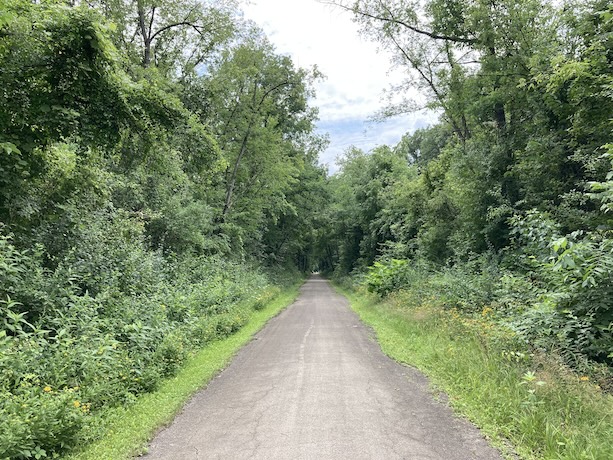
177, 24
399, 22
151, 21
430, 82
274, 88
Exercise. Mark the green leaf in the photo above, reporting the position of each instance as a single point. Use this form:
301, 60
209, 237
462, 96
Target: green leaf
9, 147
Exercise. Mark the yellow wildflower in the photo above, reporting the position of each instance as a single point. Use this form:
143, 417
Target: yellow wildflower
76, 404
47, 389
584, 378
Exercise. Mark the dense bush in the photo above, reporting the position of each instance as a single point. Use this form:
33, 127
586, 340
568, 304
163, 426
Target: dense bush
555, 295
552, 286
467, 287
554, 290
566, 291
384, 277
101, 338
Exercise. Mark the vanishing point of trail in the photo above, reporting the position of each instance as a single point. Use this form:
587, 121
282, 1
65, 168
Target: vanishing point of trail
314, 384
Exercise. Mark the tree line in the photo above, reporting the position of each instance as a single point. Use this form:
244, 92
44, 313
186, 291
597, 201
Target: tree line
158, 178
505, 203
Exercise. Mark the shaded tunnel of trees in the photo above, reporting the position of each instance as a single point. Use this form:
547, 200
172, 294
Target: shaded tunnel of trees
159, 177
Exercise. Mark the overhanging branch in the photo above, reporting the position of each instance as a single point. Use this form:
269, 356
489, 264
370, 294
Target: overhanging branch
402, 23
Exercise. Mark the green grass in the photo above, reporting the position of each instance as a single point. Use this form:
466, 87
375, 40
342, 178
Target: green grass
526, 405
127, 431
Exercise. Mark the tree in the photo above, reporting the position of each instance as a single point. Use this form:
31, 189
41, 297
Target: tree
256, 103
366, 212
290, 236
452, 48
175, 36
60, 83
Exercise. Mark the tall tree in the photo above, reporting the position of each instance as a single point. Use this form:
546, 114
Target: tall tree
256, 102
175, 36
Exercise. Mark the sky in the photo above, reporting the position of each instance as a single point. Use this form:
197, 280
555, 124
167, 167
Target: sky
357, 73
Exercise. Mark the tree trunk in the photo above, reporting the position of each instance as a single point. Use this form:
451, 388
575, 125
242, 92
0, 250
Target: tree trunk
232, 181
146, 34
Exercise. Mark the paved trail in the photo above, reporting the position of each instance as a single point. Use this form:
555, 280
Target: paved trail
315, 385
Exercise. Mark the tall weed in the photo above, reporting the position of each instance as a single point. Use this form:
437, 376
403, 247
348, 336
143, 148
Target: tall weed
108, 322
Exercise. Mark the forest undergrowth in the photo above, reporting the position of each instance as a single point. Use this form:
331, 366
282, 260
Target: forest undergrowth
68, 356
526, 400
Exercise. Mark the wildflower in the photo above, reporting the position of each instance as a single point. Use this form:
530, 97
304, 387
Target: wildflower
47, 389
584, 378
76, 404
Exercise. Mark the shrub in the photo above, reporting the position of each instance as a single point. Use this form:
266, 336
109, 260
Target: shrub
98, 349
570, 296
386, 276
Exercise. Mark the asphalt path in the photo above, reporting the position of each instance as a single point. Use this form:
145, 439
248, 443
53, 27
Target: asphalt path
314, 384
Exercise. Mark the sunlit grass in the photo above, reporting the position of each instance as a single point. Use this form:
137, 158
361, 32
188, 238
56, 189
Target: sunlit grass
527, 405
127, 431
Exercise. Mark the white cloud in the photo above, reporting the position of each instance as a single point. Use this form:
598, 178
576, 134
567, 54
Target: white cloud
357, 72
366, 135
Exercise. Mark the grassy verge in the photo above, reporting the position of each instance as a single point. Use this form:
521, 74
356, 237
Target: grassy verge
128, 430
526, 404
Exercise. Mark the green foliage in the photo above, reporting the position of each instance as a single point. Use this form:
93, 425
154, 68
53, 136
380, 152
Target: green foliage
176, 37
528, 404
555, 292
264, 131
505, 202
126, 431
99, 342
469, 287
603, 191
116, 261
386, 277
585, 267
572, 312
58, 78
